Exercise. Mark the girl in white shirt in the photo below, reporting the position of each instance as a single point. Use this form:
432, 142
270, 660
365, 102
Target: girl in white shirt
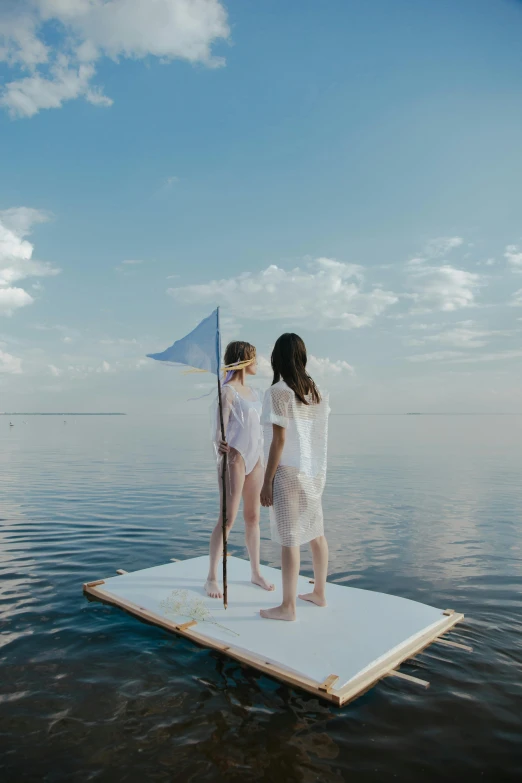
244, 446
295, 421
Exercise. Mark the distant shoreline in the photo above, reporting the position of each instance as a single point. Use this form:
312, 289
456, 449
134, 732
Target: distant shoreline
456, 413
63, 414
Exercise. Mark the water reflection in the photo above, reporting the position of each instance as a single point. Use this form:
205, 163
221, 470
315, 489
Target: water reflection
426, 509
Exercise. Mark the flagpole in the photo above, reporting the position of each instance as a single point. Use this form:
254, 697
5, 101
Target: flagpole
223, 471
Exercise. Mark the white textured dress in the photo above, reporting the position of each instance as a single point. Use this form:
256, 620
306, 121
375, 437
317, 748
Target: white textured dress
296, 515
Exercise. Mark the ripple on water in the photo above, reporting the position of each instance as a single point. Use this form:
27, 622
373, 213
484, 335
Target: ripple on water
87, 692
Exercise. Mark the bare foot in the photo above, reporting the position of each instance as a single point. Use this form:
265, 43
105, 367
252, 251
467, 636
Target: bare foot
278, 613
212, 589
314, 598
260, 580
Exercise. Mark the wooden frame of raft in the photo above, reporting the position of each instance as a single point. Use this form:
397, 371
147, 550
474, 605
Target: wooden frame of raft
324, 690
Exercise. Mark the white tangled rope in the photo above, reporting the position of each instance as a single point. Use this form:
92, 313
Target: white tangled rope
180, 604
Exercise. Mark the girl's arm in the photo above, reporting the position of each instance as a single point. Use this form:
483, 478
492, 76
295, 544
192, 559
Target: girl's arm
276, 449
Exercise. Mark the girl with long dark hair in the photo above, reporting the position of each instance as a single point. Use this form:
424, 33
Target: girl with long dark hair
244, 446
295, 421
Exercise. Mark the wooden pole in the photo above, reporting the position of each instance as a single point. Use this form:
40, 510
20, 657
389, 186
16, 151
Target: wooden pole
223, 473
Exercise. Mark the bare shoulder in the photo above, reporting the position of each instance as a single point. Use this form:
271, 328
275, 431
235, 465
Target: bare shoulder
228, 393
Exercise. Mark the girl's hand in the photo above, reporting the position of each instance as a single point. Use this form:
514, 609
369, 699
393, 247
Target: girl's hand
223, 447
267, 494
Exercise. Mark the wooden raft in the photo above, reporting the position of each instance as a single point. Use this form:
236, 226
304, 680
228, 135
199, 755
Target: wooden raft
338, 686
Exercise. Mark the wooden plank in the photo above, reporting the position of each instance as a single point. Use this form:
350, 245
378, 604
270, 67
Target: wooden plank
409, 678
95, 583
329, 682
448, 612
449, 643
121, 571
184, 626
366, 680
272, 669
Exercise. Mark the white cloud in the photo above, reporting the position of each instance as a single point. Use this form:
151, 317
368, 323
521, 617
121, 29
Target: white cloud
128, 266
458, 357
322, 367
516, 299
425, 327
436, 248
121, 357
328, 295
264, 368
513, 255
64, 82
442, 288
16, 257
436, 356
317, 367
514, 353
19, 44
20, 220
61, 67
54, 328
463, 335
12, 299
10, 364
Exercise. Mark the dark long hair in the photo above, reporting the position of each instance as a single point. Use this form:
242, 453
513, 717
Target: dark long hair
289, 363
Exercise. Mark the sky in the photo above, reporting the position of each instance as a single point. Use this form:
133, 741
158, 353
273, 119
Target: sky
349, 170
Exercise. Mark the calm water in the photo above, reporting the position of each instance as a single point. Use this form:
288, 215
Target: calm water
428, 508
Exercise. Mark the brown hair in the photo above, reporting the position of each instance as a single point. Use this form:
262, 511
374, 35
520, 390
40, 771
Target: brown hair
239, 351
289, 363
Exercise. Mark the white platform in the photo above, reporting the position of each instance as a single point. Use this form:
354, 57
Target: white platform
360, 637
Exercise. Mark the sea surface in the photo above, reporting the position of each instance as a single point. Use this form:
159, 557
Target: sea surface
425, 507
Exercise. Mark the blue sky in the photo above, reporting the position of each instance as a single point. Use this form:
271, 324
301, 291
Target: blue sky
348, 170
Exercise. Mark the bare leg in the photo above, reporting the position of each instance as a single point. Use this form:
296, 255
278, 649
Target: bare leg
290, 562
251, 509
234, 486
320, 557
